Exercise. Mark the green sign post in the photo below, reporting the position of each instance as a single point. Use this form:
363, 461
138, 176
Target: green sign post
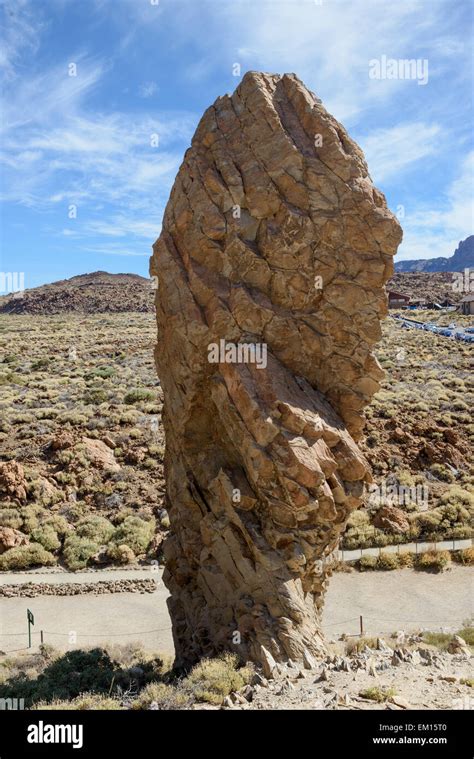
31, 621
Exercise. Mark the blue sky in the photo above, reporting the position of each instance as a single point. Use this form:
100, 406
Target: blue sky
148, 67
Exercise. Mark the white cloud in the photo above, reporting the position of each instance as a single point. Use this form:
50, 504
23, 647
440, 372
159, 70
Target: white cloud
391, 151
433, 232
117, 249
56, 151
329, 45
148, 90
20, 34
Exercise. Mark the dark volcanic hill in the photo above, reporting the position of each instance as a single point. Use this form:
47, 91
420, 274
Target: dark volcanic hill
101, 292
98, 292
462, 258
435, 286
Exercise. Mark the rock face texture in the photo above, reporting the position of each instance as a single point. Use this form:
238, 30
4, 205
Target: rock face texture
271, 266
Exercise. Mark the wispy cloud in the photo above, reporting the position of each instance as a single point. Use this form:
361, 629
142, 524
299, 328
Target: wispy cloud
390, 152
58, 151
432, 231
147, 90
20, 34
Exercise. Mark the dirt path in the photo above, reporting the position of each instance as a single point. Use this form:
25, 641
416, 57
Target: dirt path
398, 600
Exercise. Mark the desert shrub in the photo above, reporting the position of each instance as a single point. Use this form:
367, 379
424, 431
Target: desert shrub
360, 536
387, 561
46, 413
10, 518
74, 512
77, 551
435, 561
459, 496
95, 528
135, 433
74, 418
457, 533
405, 477
41, 363
47, 651
428, 520
442, 473
122, 554
406, 559
375, 693
465, 556
163, 697
150, 463
467, 633
454, 514
213, 679
66, 677
121, 515
31, 516
133, 653
382, 539
437, 639
135, 533
367, 562
83, 702
358, 518
95, 396
43, 497
139, 394
58, 523
356, 645
23, 557
46, 536
103, 372
469, 681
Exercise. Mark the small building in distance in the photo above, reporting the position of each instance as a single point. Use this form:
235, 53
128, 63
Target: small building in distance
397, 300
466, 306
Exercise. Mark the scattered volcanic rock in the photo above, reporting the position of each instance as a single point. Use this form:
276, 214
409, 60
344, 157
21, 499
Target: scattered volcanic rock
61, 441
11, 538
392, 519
271, 265
458, 645
100, 455
12, 480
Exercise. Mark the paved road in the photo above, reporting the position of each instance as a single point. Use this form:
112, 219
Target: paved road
397, 600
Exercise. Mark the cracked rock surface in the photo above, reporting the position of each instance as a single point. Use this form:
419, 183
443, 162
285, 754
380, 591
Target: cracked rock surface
273, 236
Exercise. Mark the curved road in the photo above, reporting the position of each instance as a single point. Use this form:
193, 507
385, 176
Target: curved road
388, 601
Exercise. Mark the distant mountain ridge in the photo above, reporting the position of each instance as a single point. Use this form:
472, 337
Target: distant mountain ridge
94, 293
462, 258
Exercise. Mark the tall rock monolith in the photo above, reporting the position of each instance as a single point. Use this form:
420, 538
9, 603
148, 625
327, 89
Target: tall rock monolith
271, 263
